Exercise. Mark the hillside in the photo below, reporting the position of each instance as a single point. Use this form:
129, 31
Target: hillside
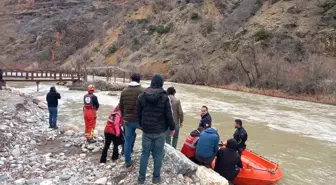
274, 44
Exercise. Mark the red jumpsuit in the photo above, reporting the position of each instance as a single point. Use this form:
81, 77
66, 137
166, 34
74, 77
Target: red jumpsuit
91, 105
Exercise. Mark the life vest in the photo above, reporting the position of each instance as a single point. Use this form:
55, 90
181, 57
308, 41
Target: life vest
114, 122
88, 103
189, 146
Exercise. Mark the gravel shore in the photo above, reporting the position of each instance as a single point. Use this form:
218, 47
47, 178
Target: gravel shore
31, 153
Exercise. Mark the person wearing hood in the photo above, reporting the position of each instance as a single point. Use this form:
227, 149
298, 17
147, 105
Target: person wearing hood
52, 99
240, 135
155, 117
1, 79
205, 121
228, 161
189, 146
207, 147
127, 103
178, 116
112, 133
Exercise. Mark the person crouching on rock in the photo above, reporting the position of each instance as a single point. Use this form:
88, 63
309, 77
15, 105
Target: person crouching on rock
207, 147
113, 134
189, 146
91, 105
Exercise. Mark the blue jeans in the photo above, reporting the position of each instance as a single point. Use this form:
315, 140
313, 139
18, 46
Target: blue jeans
130, 128
53, 116
152, 143
175, 136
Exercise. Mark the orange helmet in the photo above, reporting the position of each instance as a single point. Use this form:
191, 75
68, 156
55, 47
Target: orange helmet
91, 88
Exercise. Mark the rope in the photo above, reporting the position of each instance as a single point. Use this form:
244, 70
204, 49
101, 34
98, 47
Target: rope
270, 171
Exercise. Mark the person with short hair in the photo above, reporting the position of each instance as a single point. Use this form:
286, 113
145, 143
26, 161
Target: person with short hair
240, 135
127, 103
178, 116
52, 100
206, 120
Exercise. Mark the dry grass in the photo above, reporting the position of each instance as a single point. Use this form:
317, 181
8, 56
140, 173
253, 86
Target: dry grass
142, 13
325, 99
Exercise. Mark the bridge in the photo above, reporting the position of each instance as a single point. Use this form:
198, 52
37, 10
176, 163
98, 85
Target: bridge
12, 75
40, 76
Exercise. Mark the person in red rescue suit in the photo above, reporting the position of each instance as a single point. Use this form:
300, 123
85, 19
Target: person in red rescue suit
91, 106
113, 134
189, 146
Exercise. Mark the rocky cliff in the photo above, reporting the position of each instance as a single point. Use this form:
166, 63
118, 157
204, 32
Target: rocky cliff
275, 44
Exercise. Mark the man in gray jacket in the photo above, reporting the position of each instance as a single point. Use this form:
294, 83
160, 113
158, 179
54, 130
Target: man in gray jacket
178, 116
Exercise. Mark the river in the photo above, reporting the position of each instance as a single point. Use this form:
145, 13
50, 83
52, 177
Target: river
300, 136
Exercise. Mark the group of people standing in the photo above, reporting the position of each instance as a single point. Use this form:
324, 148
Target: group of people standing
158, 113
150, 110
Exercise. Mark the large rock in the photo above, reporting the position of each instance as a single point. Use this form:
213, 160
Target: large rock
16, 152
209, 177
67, 127
182, 164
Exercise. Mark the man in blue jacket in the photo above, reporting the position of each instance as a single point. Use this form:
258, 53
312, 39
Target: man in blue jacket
207, 147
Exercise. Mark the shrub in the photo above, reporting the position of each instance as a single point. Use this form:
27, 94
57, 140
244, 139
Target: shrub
262, 34
195, 16
327, 5
112, 49
163, 29
140, 21
160, 29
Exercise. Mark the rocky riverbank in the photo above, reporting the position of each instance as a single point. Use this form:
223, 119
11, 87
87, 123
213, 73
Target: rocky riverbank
31, 153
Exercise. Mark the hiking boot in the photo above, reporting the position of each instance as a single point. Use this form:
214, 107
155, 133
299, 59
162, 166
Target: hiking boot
91, 141
50, 126
156, 180
130, 164
102, 160
141, 181
55, 127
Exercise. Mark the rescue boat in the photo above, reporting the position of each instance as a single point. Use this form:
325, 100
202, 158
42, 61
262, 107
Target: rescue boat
256, 170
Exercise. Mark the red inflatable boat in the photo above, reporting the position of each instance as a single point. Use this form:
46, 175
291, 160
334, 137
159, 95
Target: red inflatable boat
257, 170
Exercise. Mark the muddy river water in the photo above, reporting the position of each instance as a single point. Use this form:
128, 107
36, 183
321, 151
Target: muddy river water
300, 136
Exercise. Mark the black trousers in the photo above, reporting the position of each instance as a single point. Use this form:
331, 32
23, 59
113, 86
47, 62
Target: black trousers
109, 138
205, 161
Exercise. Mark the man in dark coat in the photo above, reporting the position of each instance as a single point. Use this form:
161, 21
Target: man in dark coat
52, 100
155, 117
206, 120
240, 135
228, 162
1, 83
127, 103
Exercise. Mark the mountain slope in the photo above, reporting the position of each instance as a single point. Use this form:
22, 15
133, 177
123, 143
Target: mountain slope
276, 44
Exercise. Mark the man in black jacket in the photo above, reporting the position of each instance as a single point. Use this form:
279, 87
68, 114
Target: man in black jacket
228, 162
155, 117
1, 79
240, 135
52, 99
